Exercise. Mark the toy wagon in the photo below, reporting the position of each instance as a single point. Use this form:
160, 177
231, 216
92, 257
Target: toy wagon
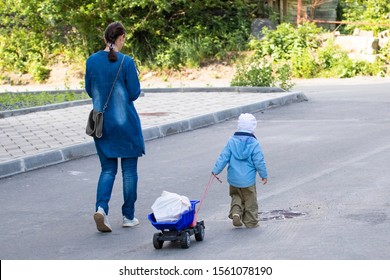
180, 230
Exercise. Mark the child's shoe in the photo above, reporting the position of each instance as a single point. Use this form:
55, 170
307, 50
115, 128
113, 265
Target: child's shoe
252, 225
237, 220
101, 220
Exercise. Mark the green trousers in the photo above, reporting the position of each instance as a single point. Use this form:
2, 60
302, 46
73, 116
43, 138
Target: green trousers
244, 203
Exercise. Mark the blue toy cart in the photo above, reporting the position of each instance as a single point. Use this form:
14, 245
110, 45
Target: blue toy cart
180, 230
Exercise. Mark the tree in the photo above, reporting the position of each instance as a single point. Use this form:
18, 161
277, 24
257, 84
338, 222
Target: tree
374, 14
159, 32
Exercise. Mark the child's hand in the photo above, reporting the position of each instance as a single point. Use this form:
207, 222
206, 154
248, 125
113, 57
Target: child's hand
264, 180
216, 177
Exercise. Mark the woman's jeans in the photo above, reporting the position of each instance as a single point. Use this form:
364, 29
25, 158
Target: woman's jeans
106, 183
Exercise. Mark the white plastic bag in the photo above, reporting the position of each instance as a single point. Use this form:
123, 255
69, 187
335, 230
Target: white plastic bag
169, 206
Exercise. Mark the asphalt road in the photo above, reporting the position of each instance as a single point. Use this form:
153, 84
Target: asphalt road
327, 197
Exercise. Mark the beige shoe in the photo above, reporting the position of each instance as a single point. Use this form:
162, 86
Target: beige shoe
252, 226
237, 220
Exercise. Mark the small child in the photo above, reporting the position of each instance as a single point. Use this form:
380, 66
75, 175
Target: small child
244, 157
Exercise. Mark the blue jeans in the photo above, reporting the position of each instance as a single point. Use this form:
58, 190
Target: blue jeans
106, 183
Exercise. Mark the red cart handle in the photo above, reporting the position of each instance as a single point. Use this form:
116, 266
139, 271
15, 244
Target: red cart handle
212, 176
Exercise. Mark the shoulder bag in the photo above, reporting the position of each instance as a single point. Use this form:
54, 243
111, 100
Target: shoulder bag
95, 119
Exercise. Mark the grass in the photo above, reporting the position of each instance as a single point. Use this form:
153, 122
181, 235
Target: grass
14, 101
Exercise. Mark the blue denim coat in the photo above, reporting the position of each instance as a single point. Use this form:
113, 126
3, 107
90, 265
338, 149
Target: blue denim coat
122, 132
245, 158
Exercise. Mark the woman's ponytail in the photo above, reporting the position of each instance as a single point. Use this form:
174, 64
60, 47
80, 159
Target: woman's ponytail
113, 31
112, 54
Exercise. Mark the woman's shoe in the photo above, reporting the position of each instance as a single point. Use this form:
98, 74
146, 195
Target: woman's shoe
101, 220
130, 223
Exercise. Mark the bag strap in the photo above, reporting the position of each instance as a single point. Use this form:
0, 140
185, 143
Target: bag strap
112, 88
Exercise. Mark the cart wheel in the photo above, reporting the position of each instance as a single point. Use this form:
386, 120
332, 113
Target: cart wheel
185, 240
158, 244
199, 236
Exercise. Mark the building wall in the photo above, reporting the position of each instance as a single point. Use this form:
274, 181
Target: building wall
288, 10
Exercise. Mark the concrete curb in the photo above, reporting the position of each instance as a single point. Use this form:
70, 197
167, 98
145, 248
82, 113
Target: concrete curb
217, 89
20, 165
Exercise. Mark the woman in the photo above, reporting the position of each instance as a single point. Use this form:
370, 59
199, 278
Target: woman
122, 132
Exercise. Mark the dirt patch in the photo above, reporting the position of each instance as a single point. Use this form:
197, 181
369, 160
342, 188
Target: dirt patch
63, 76
214, 75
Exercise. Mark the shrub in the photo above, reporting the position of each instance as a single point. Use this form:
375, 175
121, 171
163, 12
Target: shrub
164, 33
253, 74
310, 56
39, 72
262, 73
278, 43
374, 14
383, 60
304, 64
283, 76
287, 40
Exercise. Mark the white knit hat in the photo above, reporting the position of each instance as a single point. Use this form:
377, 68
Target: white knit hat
247, 123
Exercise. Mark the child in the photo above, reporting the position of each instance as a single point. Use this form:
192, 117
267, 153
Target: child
244, 157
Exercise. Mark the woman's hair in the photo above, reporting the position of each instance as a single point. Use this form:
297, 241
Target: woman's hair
113, 31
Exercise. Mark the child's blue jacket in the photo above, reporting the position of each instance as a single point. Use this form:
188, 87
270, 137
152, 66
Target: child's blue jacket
244, 157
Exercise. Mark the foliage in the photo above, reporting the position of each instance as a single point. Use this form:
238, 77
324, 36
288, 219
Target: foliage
284, 52
286, 40
283, 76
384, 59
306, 52
13, 101
304, 64
253, 73
162, 33
262, 73
23, 38
374, 14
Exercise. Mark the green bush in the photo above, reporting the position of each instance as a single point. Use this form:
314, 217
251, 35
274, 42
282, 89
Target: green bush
164, 33
190, 52
253, 74
278, 43
335, 62
374, 15
383, 60
39, 72
360, 68
262, 73
287, 40
304, 64
283, 76
310, 56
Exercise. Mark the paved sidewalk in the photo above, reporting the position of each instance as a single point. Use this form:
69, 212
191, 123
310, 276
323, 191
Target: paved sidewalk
39, 139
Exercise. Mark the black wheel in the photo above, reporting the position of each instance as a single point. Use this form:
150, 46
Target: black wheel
185, 240
199, 236
158, 244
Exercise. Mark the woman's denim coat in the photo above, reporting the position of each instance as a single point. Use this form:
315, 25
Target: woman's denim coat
122, 132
